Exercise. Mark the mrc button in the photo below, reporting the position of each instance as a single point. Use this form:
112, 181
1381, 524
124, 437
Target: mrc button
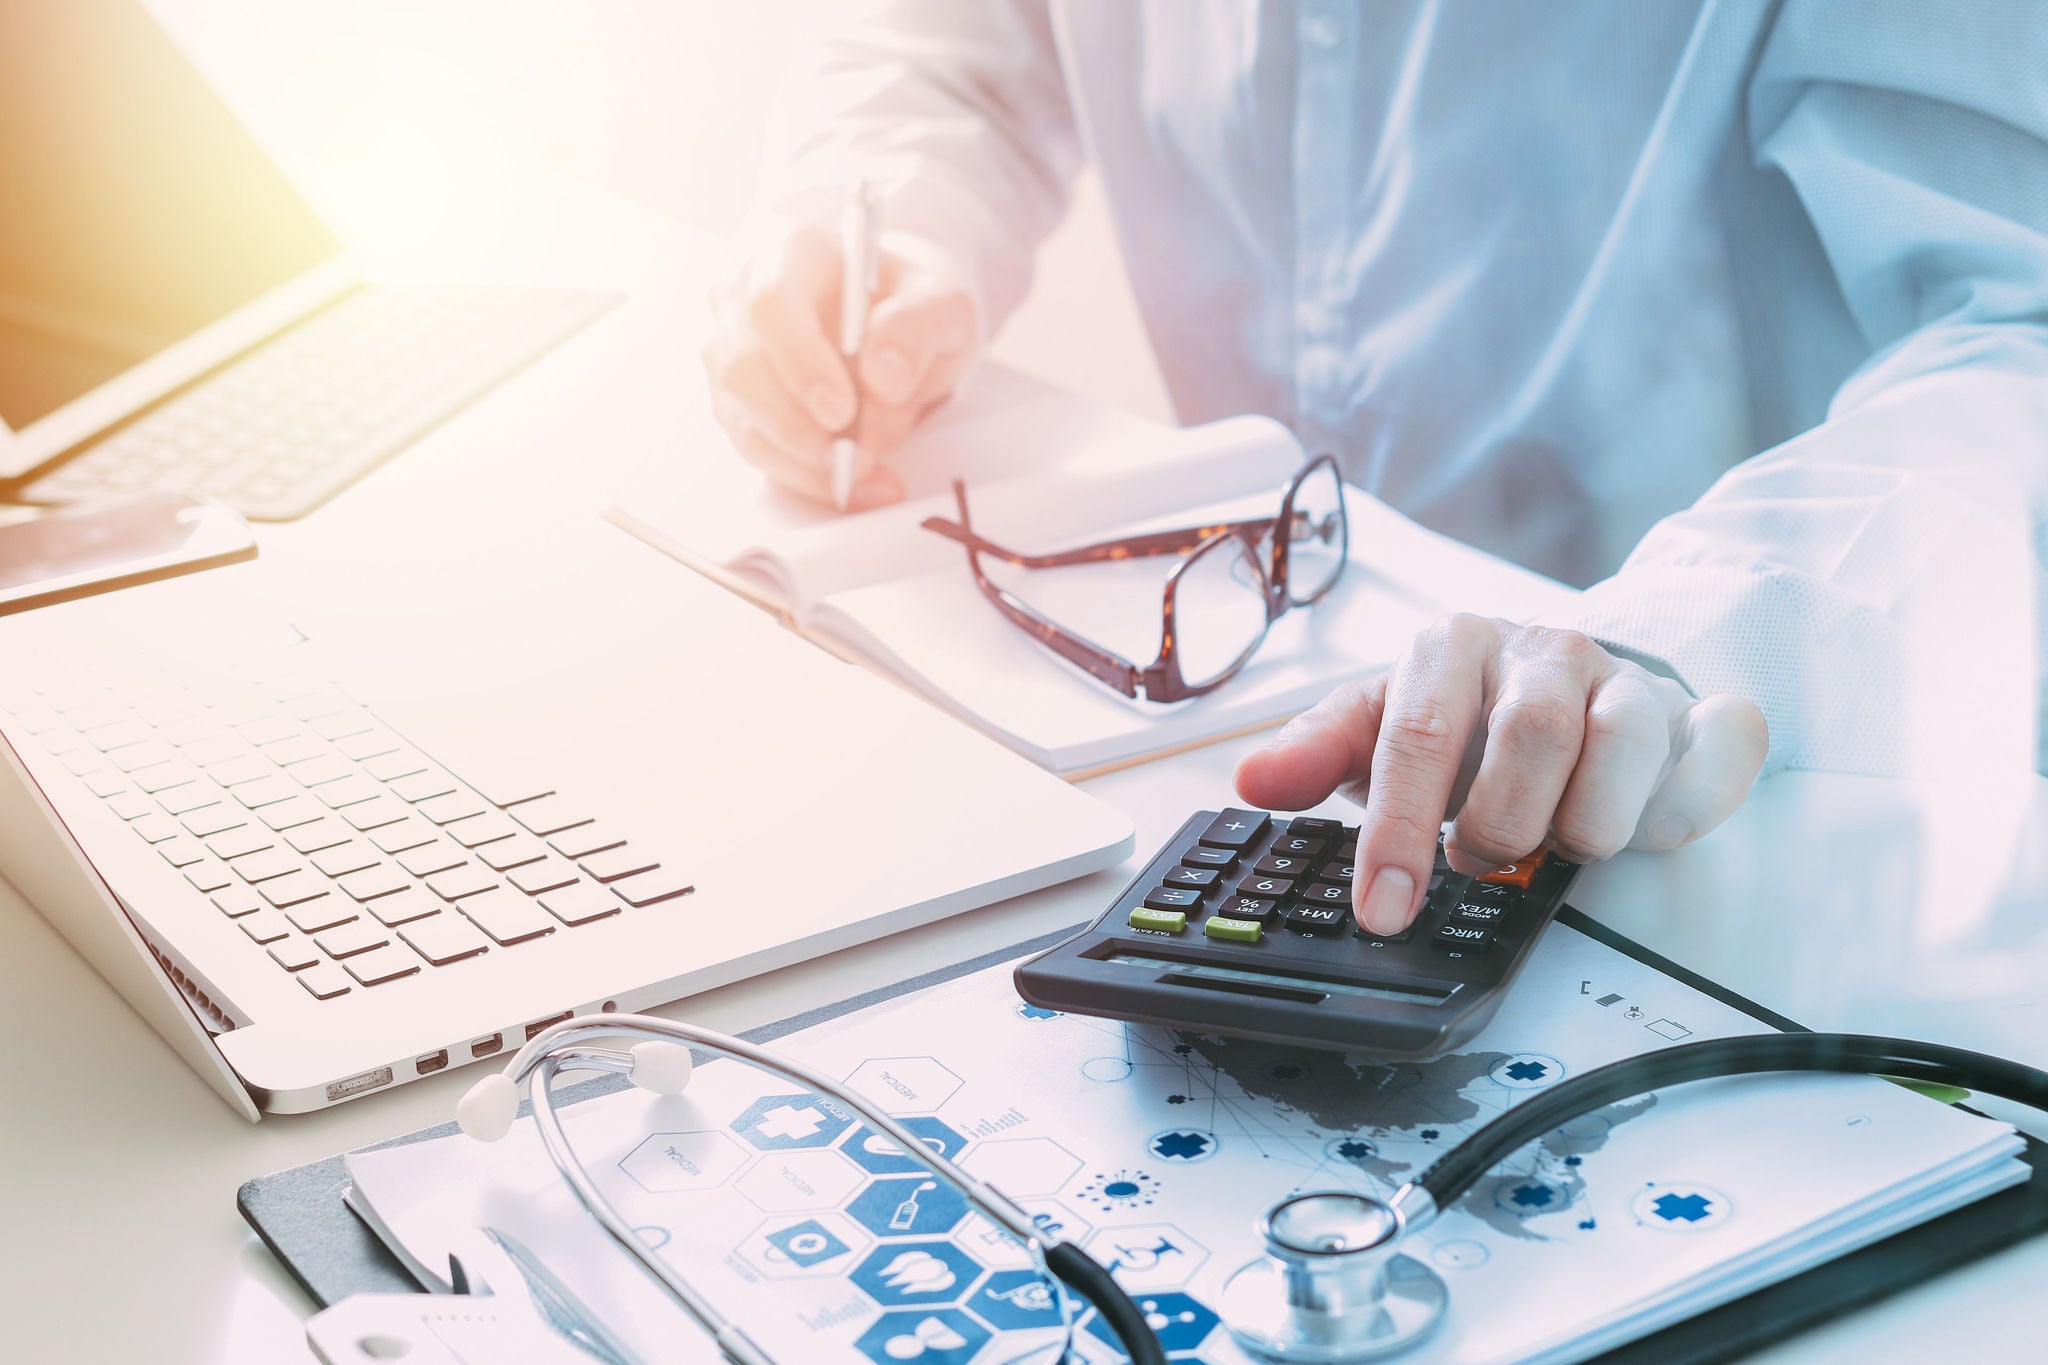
1465, 937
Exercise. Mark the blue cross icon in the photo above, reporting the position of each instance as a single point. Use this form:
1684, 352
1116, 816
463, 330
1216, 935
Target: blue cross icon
1689, 1207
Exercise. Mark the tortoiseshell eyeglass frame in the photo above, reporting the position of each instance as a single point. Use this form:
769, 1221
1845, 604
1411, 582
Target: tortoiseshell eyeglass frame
1162, 680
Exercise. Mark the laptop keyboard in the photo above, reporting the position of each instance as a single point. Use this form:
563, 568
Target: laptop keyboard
346, 854
277, 432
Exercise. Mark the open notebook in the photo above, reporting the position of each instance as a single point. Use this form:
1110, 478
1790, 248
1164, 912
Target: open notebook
1046, 470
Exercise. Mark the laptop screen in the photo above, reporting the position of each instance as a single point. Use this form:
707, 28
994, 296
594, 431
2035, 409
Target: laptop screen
135, 210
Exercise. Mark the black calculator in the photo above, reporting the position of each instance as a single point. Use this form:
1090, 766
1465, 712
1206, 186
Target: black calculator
1242, 925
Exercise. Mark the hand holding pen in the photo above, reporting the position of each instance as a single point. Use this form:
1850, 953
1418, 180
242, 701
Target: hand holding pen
785, 384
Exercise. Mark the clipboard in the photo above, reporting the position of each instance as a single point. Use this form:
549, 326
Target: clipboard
300, 1216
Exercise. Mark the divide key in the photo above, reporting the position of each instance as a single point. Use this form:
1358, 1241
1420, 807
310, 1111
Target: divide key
1236, 828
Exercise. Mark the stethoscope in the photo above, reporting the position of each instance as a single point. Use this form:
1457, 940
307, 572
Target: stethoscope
1333, 1285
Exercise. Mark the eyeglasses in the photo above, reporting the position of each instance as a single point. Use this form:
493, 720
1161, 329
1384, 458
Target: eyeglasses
1219, 601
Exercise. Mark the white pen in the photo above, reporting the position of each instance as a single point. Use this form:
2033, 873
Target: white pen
857, 282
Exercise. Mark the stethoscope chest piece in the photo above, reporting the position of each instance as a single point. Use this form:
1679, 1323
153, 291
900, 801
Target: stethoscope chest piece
1331, 1286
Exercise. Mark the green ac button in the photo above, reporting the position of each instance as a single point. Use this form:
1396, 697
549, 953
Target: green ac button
1163, 921
1236, 930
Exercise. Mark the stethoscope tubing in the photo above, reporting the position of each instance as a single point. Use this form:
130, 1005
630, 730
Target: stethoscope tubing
1847, 1053
566, 1048
562, 1048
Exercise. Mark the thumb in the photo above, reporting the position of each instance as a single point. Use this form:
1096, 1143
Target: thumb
919, 338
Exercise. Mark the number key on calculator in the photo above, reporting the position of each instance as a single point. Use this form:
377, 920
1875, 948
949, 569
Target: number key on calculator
1242, 924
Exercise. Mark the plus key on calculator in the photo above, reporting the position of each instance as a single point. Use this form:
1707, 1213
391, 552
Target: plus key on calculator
1242, 924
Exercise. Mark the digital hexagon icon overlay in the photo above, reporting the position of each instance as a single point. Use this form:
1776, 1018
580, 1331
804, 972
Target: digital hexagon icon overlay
1022, 1167
904, 1274
944, 1336
1055, 1221
1148, 1255
991, 1244
1182, 1323
672, 1162
780, 1123
804, 1179
904, 1085
873, 1151
908, 1206
1016, 1301
794, 1245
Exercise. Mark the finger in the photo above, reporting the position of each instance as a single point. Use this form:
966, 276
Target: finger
1318, 751
1626, 751
789, 303
749, 383
1432, 707
805, 364
1534, 730
799, 476
1723, 741
883, 427
805, 478
918, 338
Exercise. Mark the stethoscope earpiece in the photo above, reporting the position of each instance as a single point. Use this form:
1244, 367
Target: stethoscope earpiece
486, 1110
662, 1067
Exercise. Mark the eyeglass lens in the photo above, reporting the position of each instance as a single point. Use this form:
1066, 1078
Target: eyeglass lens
1316, 535
1219, 609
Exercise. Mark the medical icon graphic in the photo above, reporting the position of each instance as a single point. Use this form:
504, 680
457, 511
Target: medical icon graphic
944, 1337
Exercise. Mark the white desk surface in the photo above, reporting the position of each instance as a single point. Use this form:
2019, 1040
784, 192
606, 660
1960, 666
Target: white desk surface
121, 1237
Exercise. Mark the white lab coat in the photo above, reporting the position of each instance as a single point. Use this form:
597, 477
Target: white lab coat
1735, 310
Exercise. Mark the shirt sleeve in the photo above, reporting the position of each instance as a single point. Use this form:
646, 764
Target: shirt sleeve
1874, 584
957, 114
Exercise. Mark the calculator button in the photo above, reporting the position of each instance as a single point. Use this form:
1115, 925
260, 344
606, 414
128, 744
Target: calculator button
1276, 887
1464, 937
1480, 914
1197, 878
1311, 827
1325, 893
1172, 898
1236, 829
1223, 859
1258, 909
1347, 850
1318, 919
1516, 874
1297, 845
1232, 930
1281, 865
1159, 921
1339, 873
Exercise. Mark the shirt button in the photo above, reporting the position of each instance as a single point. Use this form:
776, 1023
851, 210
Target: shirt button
1323, 32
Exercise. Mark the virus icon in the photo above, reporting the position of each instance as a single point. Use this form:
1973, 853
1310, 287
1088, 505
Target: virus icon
1120, 1189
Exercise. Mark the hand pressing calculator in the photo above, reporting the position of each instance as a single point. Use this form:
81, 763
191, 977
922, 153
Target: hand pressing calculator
1242, 924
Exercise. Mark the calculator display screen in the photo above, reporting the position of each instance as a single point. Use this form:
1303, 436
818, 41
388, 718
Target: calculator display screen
1254, 981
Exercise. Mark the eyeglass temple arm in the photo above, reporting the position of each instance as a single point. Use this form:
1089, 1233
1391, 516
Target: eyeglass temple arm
1093, 659
1128, 547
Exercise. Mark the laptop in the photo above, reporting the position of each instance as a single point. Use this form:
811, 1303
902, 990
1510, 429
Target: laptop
412, 820
174, 314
